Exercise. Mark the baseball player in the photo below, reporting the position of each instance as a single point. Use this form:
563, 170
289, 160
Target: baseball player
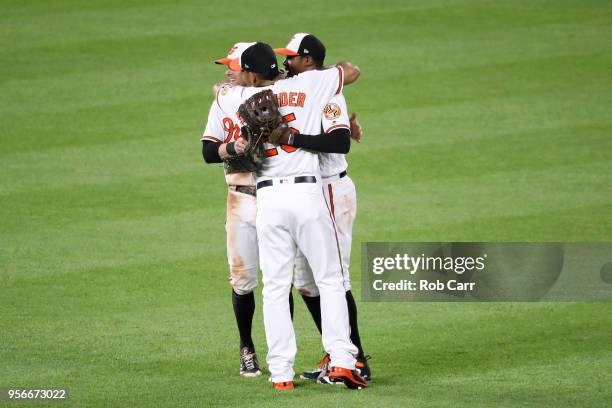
304, 53
292, 214
221, 139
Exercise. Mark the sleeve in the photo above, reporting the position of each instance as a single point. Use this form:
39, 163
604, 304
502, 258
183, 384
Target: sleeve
329, 82
335, 114
214, 131
336, 141
210, 151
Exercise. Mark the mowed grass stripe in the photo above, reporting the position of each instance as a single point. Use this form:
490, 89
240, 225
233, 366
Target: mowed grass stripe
48, 251
576, 224
503, 193
175, 152
498, 116
130, 199
480, 82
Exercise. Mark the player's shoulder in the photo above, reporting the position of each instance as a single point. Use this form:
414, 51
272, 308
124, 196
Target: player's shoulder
228, 96
338, 98
315, 74
313, 79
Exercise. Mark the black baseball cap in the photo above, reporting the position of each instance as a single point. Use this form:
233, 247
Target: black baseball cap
303, 44
258, 58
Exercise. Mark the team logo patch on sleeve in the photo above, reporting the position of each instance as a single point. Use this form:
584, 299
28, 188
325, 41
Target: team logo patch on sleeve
332, 111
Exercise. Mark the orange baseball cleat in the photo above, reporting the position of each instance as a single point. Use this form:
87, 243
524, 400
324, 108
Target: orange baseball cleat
285, 385
350, 378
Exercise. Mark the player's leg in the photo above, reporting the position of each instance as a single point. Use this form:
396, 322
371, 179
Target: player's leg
316, 238
304, 282
342, 199
242, 258
277, 253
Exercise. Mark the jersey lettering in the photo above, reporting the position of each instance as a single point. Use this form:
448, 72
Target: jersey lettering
296, 99
232, 130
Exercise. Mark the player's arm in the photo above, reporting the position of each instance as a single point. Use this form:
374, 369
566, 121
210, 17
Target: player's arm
336, 141
210, 151
213, 136
351, 72
356, 129
337, 130
216, 152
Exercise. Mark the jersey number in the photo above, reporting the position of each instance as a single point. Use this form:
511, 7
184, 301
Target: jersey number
290, 117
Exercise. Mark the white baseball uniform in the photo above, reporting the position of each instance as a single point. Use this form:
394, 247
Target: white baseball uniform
340, 195
294, 215
242, 251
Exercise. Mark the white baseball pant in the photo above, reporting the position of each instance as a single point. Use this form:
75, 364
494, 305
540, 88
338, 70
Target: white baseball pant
242, 254
292, 216
341, 197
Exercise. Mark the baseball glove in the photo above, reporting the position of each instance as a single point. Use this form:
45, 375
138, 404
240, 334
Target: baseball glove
252, 159
261, 115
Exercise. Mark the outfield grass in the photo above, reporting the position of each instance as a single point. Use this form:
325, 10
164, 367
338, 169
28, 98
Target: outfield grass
483, 121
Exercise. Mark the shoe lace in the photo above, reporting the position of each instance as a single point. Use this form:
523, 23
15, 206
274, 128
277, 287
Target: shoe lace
248, 359
324, 362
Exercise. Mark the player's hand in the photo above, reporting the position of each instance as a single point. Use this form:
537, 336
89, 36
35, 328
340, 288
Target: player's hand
280, 135
356, 130
240, 145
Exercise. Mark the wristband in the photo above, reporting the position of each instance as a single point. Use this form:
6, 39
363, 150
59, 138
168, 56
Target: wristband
290, 141
230, 148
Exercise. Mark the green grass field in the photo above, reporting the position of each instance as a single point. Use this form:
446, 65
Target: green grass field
484, 120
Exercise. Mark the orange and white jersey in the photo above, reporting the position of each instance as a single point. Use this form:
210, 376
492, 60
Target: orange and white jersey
335, 116
301, 100
224, 126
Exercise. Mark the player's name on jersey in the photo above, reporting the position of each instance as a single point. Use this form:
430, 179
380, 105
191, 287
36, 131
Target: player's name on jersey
296, 99
423, 285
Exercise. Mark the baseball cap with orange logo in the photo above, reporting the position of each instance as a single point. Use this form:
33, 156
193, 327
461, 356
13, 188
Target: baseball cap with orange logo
303, 44
234, 54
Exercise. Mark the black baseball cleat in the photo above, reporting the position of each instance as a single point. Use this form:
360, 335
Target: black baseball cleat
249, 366
321, 370
350, 378
363, 368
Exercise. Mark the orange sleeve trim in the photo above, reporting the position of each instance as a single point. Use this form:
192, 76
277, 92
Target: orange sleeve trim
338, 127
211, 138
341, 75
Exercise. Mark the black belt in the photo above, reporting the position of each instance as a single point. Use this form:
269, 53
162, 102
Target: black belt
342, 174
298, 179
245, 189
